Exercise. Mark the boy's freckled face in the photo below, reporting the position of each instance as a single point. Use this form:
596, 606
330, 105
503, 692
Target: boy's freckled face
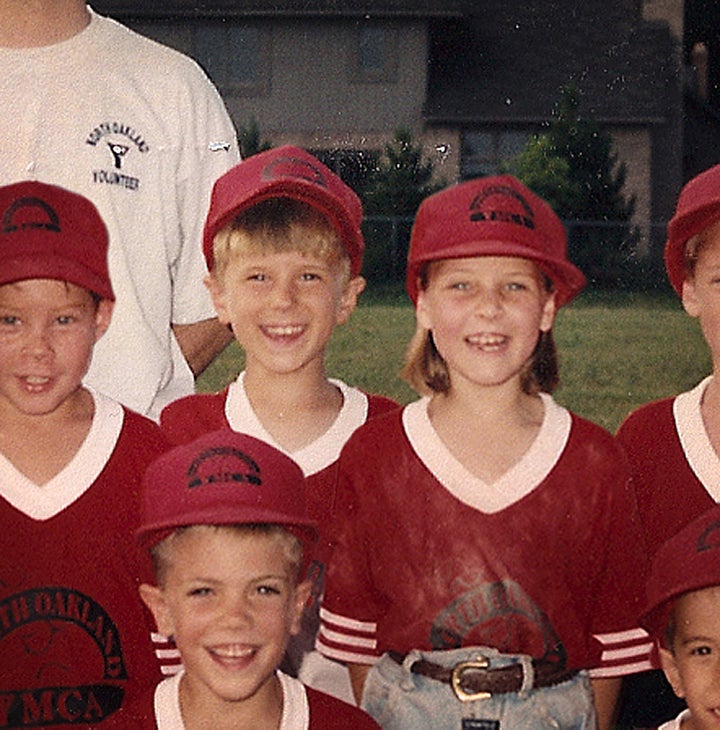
231, 603
283, 307
701, 293
693, 667
47, 332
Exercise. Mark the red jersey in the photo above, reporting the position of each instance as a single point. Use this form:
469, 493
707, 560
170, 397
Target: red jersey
74, 636
303, 709
190, 417
675, 468
430, 557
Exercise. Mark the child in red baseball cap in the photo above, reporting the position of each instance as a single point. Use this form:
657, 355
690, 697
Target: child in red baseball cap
672, 444
284, 248
224, 517
682, 614
483, 533
76, 642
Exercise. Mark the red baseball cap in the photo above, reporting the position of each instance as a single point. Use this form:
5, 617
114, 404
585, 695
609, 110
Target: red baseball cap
492, 216
688, 561
286, 172
48, 232
224, 478
698, 207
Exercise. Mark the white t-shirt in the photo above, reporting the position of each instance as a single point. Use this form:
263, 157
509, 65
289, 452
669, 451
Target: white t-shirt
139, 129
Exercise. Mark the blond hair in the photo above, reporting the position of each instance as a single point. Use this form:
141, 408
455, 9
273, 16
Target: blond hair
162, 552
279, 225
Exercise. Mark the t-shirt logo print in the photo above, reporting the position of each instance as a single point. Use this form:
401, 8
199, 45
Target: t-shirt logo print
223, 464
39, 624
293, 167
503, 204
30, 213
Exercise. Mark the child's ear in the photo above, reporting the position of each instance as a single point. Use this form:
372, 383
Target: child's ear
217, 293
154, 598
670, 667
689, 298
300, 599
103, 315
548, 314
348, 301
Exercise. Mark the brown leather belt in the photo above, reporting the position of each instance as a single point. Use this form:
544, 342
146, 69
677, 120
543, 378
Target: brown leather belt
474, 680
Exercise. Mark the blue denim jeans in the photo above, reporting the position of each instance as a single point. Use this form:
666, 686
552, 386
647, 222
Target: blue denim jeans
401, 700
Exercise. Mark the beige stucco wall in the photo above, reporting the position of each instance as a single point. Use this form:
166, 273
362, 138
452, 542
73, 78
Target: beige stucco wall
313, 92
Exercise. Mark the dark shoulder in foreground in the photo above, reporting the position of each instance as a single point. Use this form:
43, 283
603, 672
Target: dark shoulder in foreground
379, 404
329, 713
190, 417
649, 413
144, 431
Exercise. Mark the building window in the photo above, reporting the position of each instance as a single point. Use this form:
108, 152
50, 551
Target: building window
375, 54
484, 152
235, 56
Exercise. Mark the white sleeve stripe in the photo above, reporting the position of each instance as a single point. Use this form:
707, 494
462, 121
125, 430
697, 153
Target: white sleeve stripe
159, 638
620, 637
345, 656
338, 638
167, 653
612, 655
347, 623
619, 670
171, 670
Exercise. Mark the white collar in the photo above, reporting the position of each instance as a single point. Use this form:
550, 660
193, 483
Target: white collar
296, 711
512, 486
322, 452
68, 485
694, 438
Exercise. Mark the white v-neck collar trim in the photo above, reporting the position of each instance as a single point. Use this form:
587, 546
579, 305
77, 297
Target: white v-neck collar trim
317, 455
295, 716
694, 438
516, 483
68, 485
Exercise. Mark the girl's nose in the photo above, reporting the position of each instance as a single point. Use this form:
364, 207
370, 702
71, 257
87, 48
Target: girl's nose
488, 303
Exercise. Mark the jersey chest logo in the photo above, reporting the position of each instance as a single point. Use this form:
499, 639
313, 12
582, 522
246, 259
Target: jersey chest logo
500, 615
67, 661
118, 145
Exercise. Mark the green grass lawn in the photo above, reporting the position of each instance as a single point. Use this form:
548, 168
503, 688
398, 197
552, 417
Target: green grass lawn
616, 352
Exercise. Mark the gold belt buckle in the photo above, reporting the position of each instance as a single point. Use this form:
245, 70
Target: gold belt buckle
456, 679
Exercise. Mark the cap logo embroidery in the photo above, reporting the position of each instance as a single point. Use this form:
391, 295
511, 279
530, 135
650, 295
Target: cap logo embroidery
709, 539
223, 464
45, 217
481, 209
285, 167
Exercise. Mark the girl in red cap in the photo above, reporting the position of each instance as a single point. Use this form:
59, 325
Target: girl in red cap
483, 533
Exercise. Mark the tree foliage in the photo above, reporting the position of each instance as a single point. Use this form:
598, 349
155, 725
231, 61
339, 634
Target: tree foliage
250, 140
574, 167
401, 180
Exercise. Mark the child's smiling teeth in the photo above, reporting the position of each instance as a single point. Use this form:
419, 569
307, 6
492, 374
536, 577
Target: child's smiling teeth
487, 340
284, 330
36, 379
232, 652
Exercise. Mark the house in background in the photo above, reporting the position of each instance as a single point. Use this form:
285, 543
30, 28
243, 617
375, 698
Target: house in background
470, 80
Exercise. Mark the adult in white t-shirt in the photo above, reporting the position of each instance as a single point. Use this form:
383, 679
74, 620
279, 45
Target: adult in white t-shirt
140, 130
